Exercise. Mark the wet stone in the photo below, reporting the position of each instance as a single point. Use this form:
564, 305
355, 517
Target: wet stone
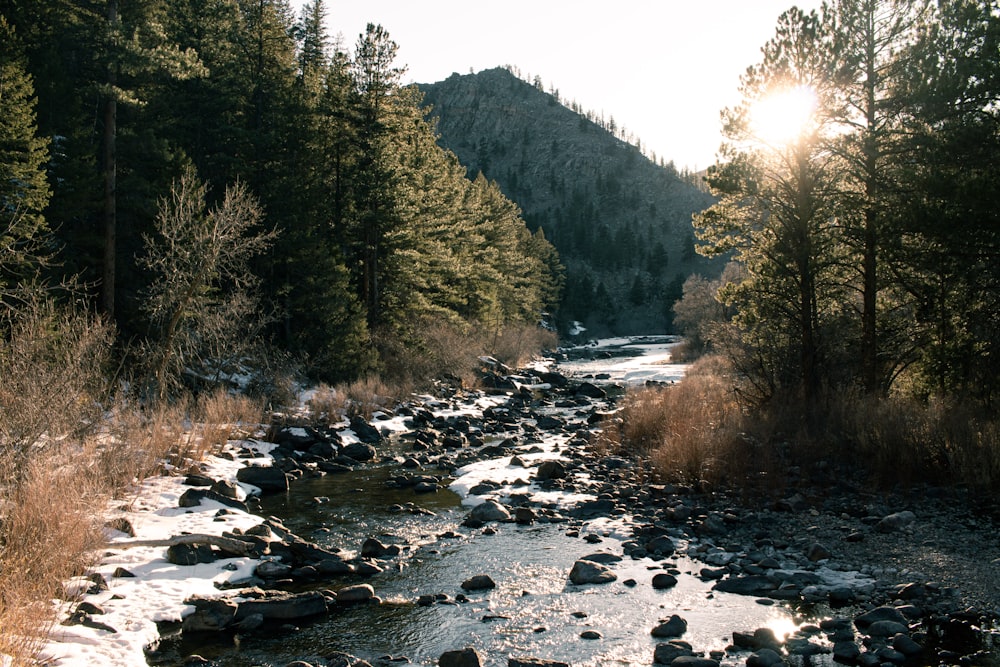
675, 626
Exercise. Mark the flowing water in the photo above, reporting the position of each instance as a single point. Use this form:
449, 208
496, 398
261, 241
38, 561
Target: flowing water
534, 609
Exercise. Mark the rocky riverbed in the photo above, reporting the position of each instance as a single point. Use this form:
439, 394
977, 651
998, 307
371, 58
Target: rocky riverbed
860, 577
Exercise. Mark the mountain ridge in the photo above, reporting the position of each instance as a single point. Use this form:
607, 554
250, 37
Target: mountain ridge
621, 223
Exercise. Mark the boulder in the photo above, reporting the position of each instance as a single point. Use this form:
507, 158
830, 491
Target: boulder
591, 390
208, 615
765, 657
665, 654
488, 511
589, 572
694, 661
373, 548
355, 594
896, 521
283, 606
466, 657
366, 433
663, 581
193, 498
267, 478
534, 662
550, 470
675, 626
660, 546
479, 582
359, 451
190, 554
879, 614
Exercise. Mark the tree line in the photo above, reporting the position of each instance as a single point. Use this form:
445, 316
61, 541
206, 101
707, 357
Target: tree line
210, 166
868, 242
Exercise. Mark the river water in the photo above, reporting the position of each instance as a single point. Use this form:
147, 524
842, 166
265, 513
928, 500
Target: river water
534, 609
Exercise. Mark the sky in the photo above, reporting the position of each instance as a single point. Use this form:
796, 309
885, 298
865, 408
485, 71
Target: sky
663, 69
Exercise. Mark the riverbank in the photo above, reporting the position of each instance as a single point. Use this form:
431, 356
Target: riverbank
525, 448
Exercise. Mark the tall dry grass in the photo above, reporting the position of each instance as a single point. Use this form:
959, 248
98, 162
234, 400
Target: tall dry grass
692, 431
64, 454
701, 430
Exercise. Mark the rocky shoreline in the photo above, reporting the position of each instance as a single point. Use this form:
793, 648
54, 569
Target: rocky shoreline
900, 581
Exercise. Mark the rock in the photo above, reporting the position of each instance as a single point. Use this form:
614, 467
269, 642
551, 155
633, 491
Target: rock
665, 654
765, 657
694, 661
208, 615
663, 580
754, 584
359, 451
886, 629
373, 548
588, 572
879, 614
818, 552
661, 546
906, 645
190, 554
524, 516
534, 662
366, 433
590, 634
591, 390
895, 522
488, 511
271, 569
675, 626
467, 657
355, 594
846, 652
479, 582
283, 606
712, 525
193, 498
267, 478
603, 557
550, 423
550, 470
227, 489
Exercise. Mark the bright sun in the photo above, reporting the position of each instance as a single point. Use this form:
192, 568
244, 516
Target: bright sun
781, 118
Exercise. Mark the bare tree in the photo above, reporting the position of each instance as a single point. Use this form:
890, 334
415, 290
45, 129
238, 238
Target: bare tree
201, 299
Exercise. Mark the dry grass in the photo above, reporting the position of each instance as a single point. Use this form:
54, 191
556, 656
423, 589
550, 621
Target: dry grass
362, 397
699, 430
692, 432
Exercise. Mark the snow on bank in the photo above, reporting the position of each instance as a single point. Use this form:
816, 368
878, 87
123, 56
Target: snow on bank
649, 360
156, 592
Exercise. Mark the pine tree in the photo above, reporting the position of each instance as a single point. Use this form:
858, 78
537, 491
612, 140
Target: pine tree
24, 191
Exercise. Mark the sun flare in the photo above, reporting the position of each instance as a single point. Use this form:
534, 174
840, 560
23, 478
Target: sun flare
782, 117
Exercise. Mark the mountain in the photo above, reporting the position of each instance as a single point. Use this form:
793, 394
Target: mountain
621, 223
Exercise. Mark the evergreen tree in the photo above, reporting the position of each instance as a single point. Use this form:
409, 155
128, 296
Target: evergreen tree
24, 191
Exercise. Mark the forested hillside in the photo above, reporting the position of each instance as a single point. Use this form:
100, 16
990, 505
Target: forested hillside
621, 223
131, 122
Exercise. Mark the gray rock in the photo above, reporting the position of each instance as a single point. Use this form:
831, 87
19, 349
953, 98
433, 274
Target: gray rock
896, 521
267, 478
271, 569
879, 614
488, 511
209, 615
765, 657
283, 606
550, 470
373, 548
694, 661
661, 546
665, 654
591, 390
479, 582
754, 584
355, 594
534, 662
886, 629
194, 497
664, 580
817, 552
466, 657
590, 634
906, 645
190, 554
675, 626
366, 433
359, 451
846, 652
589, 572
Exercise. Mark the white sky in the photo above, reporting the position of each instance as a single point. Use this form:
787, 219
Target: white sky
664, 69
